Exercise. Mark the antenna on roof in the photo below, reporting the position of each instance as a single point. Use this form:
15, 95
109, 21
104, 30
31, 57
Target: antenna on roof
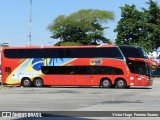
30, 26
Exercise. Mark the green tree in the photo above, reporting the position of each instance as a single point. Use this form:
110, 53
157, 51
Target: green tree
129, 29
152, 26
140, 28
69, 44
82, 28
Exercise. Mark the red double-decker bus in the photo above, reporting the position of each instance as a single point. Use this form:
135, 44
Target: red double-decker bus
103, 66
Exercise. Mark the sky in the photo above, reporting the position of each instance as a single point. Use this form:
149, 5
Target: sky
15, 18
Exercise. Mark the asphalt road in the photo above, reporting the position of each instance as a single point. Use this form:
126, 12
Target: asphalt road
81, 99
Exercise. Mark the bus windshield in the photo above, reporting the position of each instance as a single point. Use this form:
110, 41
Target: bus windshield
132, 51
141, 68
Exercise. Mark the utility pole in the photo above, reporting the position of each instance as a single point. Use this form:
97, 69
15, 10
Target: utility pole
30, 24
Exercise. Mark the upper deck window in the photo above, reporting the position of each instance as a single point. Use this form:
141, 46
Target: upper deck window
108, 52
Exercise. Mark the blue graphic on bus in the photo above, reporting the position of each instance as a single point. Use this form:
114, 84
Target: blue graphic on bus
37, 63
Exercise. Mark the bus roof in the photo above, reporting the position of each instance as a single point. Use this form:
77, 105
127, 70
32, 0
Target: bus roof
89, 46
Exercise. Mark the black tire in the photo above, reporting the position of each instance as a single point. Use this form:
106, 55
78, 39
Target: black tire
106, 83
26, 82
121, 83
38, 82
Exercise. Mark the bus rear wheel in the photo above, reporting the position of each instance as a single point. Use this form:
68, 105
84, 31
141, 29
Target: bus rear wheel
121, 83
106, 83
38, 82
26, 82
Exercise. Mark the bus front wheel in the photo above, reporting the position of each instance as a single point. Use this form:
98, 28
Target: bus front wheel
26, 82
38, 82
106, 83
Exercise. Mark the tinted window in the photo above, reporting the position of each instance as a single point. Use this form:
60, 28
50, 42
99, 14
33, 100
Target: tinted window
138, 67
92, 69
144, 55
109, 70
57, 70
81, 52
111, 52
81, 70
131, 51
138, 70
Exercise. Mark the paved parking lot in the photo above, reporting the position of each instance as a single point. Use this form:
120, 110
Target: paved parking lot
80, 99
